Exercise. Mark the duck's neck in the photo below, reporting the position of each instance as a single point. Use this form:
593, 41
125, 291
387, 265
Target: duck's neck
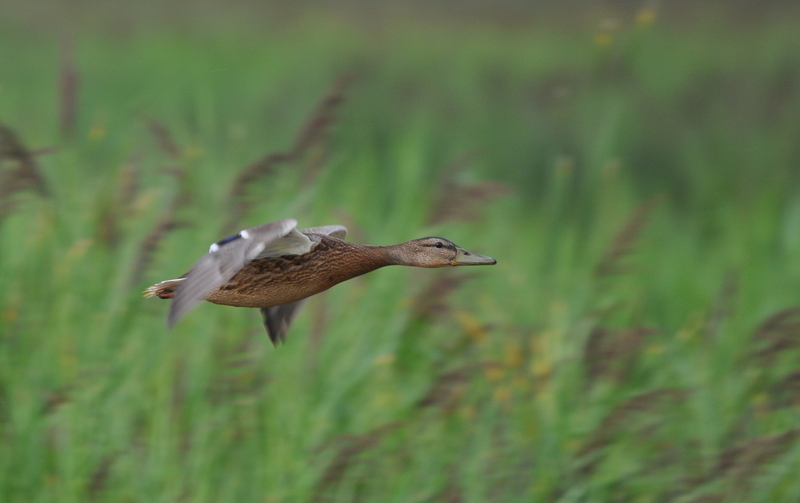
397, 255
356, 259
373, 257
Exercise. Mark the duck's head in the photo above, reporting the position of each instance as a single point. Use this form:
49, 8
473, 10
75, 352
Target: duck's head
435, 252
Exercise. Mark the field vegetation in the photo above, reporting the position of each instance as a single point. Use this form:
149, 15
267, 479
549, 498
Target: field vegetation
637, 180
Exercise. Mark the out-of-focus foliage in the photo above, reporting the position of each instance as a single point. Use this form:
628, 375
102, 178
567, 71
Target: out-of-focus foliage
637, 178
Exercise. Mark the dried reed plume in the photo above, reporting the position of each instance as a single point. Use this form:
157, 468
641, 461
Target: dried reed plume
43, 151
150, 244
108, 226
314, 132
635, 414
23, 174
163, 227
452, 492
349, 453
724, 305
709, 498
449, 388
786, 392
54, 399
744, 461
625, 240
232, 387
777, 333
67, 88
168, 221
433, 301
163, 138
461, 201
316, 335
129, 184
121, 205
99, 479
611, 352
241, 372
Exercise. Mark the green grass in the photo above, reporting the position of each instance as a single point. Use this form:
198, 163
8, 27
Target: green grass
671, 376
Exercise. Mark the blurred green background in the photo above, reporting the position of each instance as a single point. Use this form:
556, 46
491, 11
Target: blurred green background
634, 167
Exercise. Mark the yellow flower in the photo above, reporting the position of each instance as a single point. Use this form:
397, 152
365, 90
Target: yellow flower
468, 412
654, 349
513, 355
471, 325
494, 373
97, 132
193, 152
646, 16
79, 248
502, 395
384, 359
603, 38
11, 311
541, 368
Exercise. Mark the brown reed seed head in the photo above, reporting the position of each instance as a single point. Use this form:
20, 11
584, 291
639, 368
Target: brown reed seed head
625, 240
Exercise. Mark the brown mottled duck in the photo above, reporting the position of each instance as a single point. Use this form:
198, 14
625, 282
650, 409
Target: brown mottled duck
275, 267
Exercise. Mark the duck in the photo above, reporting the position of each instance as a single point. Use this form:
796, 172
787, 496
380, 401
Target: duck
275, 268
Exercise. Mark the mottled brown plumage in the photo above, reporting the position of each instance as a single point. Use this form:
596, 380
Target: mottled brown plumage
274, 267
280, 280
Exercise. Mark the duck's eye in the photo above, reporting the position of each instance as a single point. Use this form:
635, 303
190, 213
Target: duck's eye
439, 244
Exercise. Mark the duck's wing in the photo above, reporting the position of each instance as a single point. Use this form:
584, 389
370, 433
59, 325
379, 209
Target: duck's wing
297, 242
226, 257
337, 231
277, 319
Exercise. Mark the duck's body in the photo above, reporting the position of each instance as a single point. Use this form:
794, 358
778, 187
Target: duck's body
274, 267
281, 280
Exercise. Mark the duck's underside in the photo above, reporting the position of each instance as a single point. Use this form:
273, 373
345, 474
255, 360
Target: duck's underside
276, 281
276, 318
257, 287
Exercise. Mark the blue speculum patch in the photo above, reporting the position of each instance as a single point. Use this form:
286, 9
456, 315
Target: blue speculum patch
228, 239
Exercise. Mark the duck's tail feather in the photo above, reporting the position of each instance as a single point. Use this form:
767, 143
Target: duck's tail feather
163, 290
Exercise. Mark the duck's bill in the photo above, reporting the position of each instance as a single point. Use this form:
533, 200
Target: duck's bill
463, 257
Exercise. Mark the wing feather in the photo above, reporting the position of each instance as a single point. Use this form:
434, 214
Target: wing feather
215, 268
337, 231
293, 243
